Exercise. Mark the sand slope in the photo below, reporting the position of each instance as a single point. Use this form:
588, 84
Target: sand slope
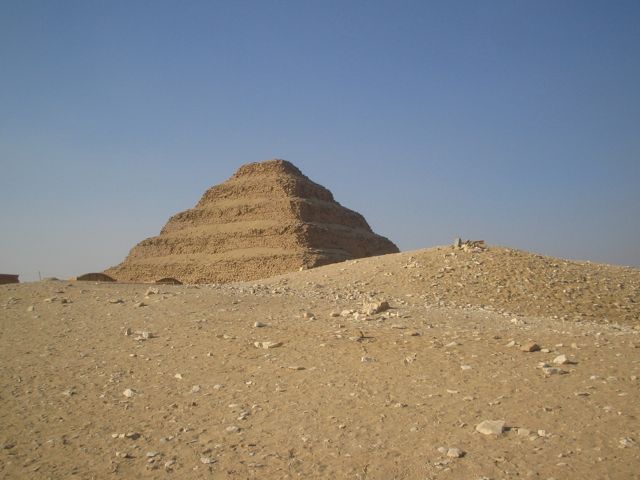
358, 395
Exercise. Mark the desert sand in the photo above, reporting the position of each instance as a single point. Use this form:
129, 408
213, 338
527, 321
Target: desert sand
489, 363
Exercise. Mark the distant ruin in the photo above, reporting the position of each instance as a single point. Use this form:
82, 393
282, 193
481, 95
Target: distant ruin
8, 278
267, 219
95, 277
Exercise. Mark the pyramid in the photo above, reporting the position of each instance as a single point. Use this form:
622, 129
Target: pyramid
267, 219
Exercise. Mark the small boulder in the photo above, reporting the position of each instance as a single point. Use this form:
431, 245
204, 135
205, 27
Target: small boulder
491, 427
530, 347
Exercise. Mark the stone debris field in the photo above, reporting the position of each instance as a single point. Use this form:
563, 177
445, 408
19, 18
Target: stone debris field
445, 363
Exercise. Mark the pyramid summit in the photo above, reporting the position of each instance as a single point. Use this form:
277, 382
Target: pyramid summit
267, 219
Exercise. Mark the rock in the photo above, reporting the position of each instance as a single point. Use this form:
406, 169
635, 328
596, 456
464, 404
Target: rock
123, 455
367, 359
530, 347
267, 345
153, 454
127, 331
30, 308
116, 301
443, 450
525, 432
412, 333
455, 453
457, 243
375, 307
296, 367
561, 360
178, 376
152, 291
548, 371
207, 460
195, 389
627, 442
511, 344
139, 304
491, 427
259, 325
129, 393
233, 429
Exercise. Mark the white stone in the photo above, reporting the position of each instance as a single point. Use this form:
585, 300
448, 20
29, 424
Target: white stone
267, 345
491, 427
627, 442
561, 360
455, 453
128, 393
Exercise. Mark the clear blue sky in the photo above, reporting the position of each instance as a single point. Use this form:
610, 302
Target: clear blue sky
517, 122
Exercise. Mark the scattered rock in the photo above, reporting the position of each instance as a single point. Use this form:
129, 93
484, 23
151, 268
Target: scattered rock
455, 453
259, 325
627, 442
491, 427
129, 393
548, 371
530, 347
561, 360
375, 307
207, 460
267, 345
233, 429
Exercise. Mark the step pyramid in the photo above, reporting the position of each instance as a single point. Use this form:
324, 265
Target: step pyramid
267, 219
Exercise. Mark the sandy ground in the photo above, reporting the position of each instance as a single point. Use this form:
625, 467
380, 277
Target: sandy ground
347, 394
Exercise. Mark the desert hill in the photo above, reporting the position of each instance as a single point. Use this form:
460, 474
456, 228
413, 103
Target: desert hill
452, 363
267, 219
499, 279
